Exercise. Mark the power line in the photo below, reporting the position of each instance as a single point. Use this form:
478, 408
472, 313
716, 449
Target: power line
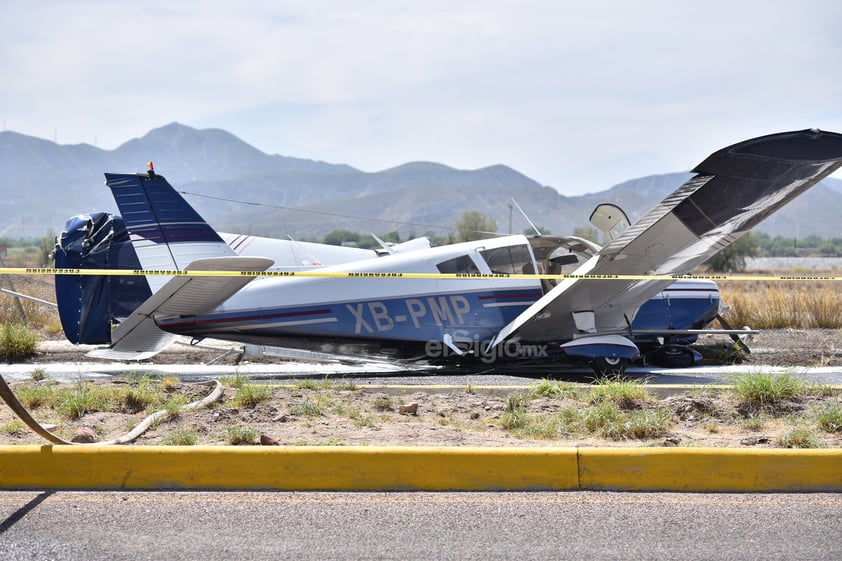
326, 213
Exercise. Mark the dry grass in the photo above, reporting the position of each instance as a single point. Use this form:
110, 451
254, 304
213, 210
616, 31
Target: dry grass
783, 304
38, 317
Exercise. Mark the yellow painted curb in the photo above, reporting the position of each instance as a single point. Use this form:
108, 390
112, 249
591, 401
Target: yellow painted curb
710, 469
419, 468
288, 468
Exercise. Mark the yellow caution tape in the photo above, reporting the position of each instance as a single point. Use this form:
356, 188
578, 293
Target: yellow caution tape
320, 273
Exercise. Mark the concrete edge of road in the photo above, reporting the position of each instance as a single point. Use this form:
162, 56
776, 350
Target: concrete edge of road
418, 469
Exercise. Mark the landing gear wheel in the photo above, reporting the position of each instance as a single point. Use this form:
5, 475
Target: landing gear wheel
609, 366
674, 356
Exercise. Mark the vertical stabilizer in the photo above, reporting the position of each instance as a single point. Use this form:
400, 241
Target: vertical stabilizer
166, 232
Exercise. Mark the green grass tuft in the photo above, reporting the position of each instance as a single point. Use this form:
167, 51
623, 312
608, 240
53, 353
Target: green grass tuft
798, 438
626, 394
384, 403
830, 419
251, 395
553, 390
759, 390
14, 428
308, 408
17, 342
83, 399
240, 434
181, 438
35, 396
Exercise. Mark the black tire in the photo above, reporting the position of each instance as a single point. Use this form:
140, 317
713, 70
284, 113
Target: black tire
674, 356
609, 366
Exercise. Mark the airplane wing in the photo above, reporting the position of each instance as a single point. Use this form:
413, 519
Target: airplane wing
734, 190
139, 337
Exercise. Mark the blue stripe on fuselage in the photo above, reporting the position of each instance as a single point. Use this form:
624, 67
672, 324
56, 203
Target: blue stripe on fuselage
416, 318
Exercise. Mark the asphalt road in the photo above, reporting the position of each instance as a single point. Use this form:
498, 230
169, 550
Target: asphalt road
424, 526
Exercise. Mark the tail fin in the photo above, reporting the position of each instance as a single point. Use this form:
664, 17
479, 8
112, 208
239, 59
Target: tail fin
166, 232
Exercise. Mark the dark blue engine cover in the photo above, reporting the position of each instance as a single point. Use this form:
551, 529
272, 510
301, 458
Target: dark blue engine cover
89, 304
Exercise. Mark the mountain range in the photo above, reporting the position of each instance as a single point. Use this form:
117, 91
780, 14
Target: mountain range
238, 188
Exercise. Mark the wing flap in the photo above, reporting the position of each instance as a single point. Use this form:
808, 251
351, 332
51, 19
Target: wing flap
734, 190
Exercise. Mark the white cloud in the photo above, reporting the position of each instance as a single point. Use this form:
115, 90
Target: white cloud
576, 95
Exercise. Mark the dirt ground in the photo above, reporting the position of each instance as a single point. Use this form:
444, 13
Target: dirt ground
341, 414
774, 347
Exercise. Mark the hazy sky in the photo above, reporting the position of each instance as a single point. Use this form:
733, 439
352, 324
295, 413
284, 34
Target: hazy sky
579, 95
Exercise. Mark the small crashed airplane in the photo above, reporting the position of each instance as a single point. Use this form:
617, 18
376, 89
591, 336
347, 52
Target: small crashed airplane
477, 316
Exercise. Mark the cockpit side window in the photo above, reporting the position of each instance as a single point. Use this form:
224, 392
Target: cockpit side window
514, 259
458, 265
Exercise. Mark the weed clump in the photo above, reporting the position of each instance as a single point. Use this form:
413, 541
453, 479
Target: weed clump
35, 396
830, 419
83, 399
140, 396
14, 428
552, 390
514, 415
384, 403
798, 438
758, 391
181, 438
240, 434
250, 395
308, 408
625, 394
17, 342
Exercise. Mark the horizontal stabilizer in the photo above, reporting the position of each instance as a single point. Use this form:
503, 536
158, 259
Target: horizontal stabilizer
139, 334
